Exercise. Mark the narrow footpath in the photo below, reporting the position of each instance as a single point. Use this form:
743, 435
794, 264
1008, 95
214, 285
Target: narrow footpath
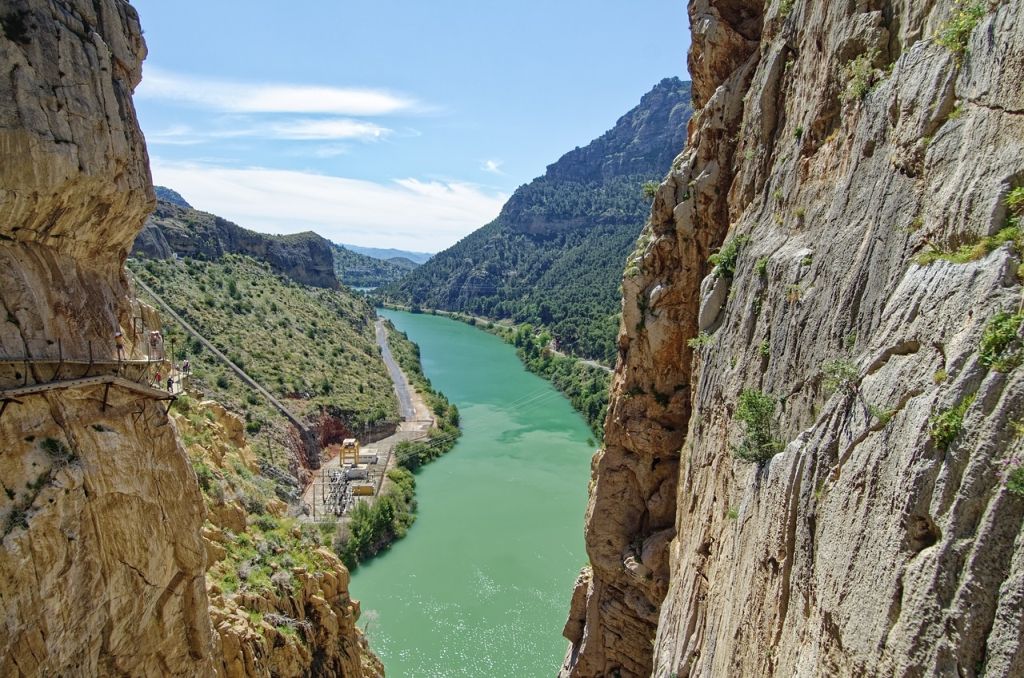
417, 420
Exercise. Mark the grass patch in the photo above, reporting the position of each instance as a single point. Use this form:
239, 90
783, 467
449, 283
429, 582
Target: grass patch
947, 425
976, 250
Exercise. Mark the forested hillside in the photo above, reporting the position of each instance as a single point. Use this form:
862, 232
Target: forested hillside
555, 254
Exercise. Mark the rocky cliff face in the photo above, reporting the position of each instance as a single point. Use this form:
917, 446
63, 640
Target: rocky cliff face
102, 555
857, 164
306, 258
103, 559
279, 600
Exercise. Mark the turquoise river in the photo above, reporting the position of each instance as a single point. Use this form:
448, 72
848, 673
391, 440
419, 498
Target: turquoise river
481, 584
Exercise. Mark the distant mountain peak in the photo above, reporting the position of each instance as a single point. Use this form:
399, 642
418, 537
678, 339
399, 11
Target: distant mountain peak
171, 196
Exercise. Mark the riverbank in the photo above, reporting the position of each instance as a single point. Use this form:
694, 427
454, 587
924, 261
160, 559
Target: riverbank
480, 585
429, 427
585, 383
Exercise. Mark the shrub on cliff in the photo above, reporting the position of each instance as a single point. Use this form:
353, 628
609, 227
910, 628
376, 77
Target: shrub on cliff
756, 411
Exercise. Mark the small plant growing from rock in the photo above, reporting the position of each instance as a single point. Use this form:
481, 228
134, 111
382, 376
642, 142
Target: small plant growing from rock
650, 189
724, 260
700, 341
947, 425
756, 411
860, 75
840, 374
1015, 480
882, 415
1001, 346
955, 33
761, 267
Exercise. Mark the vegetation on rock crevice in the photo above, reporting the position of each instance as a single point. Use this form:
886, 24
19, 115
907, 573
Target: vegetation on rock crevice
756, 411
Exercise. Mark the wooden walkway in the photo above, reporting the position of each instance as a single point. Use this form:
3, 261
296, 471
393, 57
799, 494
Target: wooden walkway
11, 395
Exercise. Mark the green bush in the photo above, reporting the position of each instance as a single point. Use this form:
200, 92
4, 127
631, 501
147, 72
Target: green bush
947, 425
840, 374
724, 260
1015, 481
756, 411
1001, 346
650, 189
955, 33
702, 340
861, 75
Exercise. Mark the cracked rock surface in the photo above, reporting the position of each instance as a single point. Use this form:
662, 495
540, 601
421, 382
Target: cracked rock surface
840, 141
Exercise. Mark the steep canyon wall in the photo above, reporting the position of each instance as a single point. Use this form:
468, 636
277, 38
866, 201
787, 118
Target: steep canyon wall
103, 558
835, 144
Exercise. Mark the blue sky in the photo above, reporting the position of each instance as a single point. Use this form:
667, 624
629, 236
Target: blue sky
400, 124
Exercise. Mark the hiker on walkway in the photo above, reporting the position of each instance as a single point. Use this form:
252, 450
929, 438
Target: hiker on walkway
170, 384
156, 345
119, 342
159, 378
186, 367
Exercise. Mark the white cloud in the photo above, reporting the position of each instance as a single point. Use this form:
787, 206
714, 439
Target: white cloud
295, 129
241, 97
335, 128
492, 166
406, 213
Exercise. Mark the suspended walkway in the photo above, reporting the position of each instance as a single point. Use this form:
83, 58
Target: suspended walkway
12, 395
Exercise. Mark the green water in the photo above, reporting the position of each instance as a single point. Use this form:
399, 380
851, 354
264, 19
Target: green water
481, 585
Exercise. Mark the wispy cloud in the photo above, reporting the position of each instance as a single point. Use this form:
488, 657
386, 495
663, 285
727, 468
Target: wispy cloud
244, 97
335, 128
324, 129
405, 213
492, 166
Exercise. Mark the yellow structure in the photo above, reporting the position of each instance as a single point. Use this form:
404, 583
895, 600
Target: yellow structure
349, 450
362, 490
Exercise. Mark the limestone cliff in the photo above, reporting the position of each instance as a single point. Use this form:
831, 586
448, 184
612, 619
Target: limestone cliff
859, 166
103, 558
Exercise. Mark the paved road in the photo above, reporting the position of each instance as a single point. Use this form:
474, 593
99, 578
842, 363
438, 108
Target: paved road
405, 406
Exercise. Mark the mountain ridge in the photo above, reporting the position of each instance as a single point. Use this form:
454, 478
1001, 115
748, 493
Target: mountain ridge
555, 253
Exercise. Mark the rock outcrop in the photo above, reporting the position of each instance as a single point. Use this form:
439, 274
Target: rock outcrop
841, 155
306, 258
104, 562
292, 614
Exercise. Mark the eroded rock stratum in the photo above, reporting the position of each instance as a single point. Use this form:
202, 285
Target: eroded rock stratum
103, 559
835, 143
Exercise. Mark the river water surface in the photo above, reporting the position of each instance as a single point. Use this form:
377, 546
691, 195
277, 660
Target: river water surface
481, 585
